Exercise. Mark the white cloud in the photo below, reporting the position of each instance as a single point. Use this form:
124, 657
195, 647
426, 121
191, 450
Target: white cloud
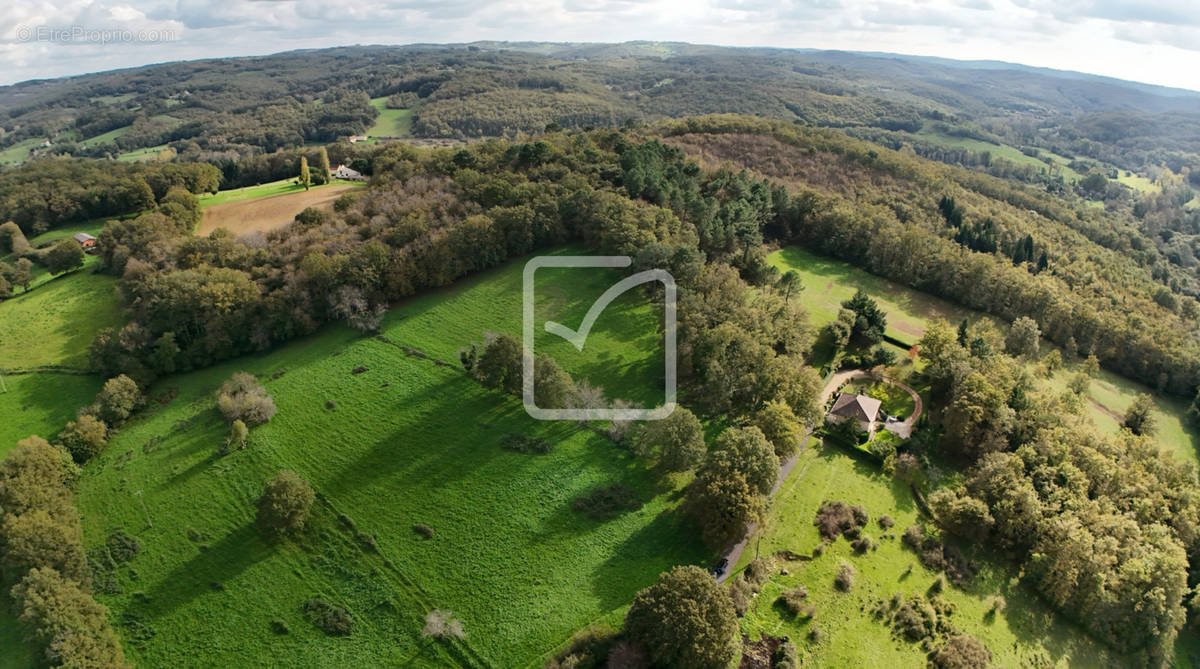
1154, 40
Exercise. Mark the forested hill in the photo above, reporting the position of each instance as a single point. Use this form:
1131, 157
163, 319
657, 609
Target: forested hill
236, 106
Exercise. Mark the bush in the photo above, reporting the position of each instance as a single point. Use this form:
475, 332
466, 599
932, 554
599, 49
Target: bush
588, 648
84, 437
423, 530
863, 544
837, 517
243, 398
915, 619
962, 651
285, 504
330, 619
795, 600
785, 656
119, 397
441, 624
844, 580
526, 444
280, 627
607, 501
885, 521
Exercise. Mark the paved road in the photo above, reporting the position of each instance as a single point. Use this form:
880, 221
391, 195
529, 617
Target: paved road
904, 429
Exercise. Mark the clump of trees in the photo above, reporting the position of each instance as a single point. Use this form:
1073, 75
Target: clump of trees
285, 504
43, 560
676, 442
731, 489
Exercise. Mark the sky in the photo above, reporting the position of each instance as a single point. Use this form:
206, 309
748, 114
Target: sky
1154, 41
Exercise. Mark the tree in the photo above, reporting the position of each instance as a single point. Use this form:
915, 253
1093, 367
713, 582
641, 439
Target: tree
685, 620
781, 427
237, 436
84, 437
790, 283
36, 475
323, 164
64, 256
119, 397
746, 451
305, 176
72, 627
285, 503
677, 440
1139, 418
243, 398
499, 365
723, 506
38, 539
1023, 337
869, 320
22, 273
552, 385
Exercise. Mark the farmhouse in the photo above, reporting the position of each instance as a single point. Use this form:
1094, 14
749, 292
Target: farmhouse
85, 240
861, 408
343, 172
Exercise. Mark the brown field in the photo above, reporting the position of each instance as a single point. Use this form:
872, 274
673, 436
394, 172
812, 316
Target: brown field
267, 213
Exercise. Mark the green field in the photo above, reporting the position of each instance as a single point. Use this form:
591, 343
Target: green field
390, 122
253, 192
409, 441
828, 282
20, 151
1026, 633
54, 323
92, 227
998, 151
147, 153
106, 138
1137, 182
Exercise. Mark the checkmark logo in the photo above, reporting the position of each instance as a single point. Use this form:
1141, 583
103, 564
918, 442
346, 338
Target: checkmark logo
578, 337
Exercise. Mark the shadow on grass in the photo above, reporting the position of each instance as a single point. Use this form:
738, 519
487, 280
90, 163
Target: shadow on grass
668, 540
233, 554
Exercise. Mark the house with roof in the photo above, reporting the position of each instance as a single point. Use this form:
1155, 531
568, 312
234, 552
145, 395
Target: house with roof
861, 408
343, 172
85, 240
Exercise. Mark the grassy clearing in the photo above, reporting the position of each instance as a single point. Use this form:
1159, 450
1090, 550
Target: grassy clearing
20, 151
827, 283
999, 151
409, 441
54, 323
105, 138
148, 153
92, 227
1137, 182
390, 122
281, 187
41, 404
1026, 633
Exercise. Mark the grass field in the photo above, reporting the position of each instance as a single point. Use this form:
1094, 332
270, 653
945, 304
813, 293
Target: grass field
999, 151
266, 207
827, 283
54, 323
145, 154
106, 138
20, 151
1025, 634
390, 122
92, 227
409, 441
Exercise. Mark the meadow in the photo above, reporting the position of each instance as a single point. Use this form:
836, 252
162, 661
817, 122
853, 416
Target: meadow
407, 440
999, 151
54, 323
143, 154
390, 122
1025, 633
828, 282
20, 151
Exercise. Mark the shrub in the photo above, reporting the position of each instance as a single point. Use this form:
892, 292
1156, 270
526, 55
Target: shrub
119, 397
243, 398
961, 651
863, 544
785, 656
915, 619
844, 580
885, 521
795, 600
740, 593
285, 504
588, 647
837, 517
280, 627
84, 437
440, 624
607, 501
423, 530
526, 444
330, 619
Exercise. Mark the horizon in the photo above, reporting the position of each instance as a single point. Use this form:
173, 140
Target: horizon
1155, 42
513, 43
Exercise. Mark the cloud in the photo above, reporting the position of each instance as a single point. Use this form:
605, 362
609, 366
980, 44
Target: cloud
1154, 40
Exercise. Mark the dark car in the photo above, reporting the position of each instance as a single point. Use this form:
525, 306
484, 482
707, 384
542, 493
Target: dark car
720, 567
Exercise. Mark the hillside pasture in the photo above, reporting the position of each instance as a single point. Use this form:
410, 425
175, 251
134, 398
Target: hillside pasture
261, 214
828, 282
1026, 633
54, 323
406, 440
390, 122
